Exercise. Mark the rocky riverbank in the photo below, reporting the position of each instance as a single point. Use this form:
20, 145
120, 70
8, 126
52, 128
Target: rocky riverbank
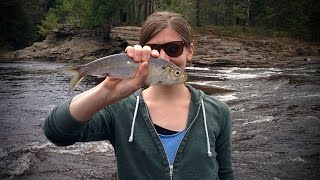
210, 49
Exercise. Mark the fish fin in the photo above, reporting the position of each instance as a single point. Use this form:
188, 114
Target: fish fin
77, 76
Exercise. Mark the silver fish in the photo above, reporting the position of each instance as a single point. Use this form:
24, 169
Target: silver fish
121, 66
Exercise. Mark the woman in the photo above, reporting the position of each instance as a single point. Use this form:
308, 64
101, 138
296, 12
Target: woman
161, 132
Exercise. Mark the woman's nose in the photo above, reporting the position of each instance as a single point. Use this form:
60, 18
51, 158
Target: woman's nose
163, 55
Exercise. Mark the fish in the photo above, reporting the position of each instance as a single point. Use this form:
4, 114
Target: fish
121, 66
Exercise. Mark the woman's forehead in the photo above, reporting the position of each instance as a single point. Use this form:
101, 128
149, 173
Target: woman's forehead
164, 36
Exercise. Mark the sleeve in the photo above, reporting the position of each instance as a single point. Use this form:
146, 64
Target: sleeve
62, 129
223, 145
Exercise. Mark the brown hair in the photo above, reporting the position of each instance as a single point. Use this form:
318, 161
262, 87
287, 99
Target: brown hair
158, 21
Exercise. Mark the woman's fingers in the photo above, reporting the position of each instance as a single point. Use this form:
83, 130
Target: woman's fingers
146, 51
155, 53
130, 51
139, 53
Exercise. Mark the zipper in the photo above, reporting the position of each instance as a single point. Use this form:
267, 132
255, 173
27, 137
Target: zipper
171, 166
170, 171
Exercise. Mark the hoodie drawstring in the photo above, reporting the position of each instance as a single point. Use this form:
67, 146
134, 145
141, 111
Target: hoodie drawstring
206, 128
134, 120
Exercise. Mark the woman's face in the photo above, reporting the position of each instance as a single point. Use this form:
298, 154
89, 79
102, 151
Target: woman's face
169, 35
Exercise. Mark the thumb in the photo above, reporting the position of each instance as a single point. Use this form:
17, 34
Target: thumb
141, 74
142, 70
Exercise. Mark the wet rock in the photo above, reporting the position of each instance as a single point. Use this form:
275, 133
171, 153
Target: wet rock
2, 153
16, 167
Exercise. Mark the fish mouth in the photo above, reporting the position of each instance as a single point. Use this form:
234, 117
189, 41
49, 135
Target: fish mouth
185, 77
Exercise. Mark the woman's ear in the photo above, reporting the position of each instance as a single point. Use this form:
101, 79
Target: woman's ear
190, 50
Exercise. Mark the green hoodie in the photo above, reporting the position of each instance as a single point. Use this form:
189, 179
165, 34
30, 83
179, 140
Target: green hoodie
204, 152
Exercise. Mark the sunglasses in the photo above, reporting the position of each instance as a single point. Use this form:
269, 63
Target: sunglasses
172, 49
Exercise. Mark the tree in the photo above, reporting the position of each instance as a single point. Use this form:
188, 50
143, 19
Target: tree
184, 7
248, 13
50, 22
198, 13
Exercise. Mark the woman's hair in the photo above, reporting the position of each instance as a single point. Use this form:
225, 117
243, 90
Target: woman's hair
158, 21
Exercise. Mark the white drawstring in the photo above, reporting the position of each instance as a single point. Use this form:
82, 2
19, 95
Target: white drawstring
134, 120
206, 128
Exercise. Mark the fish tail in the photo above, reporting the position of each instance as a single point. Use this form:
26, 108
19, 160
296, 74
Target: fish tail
77, 76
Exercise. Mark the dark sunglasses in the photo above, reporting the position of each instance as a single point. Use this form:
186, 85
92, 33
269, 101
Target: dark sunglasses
172, 49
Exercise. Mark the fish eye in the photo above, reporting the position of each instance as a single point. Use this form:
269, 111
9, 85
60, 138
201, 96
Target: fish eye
177, 73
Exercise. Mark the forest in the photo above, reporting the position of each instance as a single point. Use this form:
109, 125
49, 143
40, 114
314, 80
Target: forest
298, 19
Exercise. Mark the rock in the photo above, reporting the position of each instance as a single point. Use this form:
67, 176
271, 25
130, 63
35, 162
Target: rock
67, 44
17, 167
41, 45
22, 54
304, 51
307, 59
301, 51
130, 33
3, 153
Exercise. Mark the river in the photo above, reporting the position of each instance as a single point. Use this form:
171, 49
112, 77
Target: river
276, 126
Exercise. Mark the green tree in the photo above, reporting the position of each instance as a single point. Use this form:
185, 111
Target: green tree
97, 14
50, 22
184, 7
283, 15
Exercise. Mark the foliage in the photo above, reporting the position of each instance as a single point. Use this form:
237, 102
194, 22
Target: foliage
98, 13
50, 22
282, 15
294, 17
184, 7
83, 14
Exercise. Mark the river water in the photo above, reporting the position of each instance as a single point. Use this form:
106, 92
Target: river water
276, 126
